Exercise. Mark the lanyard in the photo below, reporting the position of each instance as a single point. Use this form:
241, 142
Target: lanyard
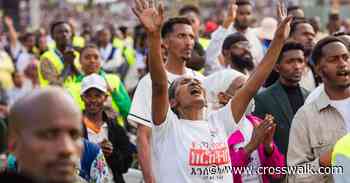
59, 55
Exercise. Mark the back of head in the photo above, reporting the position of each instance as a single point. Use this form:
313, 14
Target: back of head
41, 104
168, 26
189, 9
243, 2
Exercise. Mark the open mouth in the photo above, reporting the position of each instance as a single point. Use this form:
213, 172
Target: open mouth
343, 73
195, 91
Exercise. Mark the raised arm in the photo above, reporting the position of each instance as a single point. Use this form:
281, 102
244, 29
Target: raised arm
243, 96
217, 39
152, 20
13, 37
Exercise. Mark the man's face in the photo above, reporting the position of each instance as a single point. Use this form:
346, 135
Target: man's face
62, 34
292, 66
30, 42
18, 80
50, 148
334, 25
104, 37
189, 92
240, 55
244, 17
196, 23
90, 61
94, 100
334, 66
180, 42
305, 35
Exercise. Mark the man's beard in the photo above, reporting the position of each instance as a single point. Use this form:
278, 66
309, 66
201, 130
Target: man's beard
240, 26
244, 61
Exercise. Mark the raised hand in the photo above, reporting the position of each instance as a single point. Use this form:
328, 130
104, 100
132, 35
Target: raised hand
281, 11
231, 14
260, 132
151, 18
283, 29
271, 131
8, 21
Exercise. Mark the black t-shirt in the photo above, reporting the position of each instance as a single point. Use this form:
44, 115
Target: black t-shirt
295, 97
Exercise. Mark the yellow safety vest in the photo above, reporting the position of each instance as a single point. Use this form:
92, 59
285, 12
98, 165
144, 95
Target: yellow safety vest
78, 42
342, 147
204, 42
53, 57
75, 91
128, 53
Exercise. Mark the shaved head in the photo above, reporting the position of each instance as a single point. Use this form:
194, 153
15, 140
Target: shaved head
45, 135
42, 104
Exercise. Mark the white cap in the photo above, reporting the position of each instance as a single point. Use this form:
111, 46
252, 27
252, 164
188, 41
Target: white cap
268, 28
93, 81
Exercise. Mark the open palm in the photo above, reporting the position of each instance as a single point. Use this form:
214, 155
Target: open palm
150, 17
283, 29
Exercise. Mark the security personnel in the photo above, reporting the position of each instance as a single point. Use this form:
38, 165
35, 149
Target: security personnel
59, 65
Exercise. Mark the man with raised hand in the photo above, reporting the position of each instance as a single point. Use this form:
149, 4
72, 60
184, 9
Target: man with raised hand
178, 113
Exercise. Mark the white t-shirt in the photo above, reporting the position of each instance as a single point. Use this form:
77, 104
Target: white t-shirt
140, 110
115, 61
343, 107
246, 128
98, 137
189, 151
22, 57
314, 94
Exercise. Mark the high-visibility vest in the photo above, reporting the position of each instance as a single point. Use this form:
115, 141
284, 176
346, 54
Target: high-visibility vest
53, 56
341, 159
204, 42
113, 82
128, 53
78, 42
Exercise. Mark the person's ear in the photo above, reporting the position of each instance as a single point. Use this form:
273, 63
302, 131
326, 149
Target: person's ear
277, 68
318, 70
165, 43
173, 103
226, 53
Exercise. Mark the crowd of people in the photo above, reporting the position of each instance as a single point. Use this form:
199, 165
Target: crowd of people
176, 102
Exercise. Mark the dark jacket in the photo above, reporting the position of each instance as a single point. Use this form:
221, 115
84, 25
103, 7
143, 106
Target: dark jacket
274, 101
121, 158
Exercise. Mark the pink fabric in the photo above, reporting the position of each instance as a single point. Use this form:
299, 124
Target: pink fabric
240, 158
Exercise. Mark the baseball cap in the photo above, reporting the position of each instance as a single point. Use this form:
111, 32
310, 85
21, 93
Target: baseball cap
268, 28
93, 81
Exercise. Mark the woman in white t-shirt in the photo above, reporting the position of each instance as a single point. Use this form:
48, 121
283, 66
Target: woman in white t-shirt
189, 145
